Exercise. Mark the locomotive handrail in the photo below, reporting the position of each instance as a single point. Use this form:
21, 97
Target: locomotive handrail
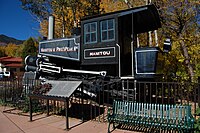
119, 52
49, 68
101, 73
127, 77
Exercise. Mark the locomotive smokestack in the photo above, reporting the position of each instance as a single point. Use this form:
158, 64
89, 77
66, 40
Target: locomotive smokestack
51, 27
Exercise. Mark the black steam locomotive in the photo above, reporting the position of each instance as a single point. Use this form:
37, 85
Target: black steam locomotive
105, 45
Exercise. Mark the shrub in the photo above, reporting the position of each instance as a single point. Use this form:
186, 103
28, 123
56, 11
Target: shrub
197, 122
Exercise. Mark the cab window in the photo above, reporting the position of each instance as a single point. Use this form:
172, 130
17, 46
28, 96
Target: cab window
90, 33
107, 30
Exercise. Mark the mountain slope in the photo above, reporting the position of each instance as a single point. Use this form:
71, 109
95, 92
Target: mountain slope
6, 40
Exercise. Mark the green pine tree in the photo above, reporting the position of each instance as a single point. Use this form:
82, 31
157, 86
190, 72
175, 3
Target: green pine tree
29, 48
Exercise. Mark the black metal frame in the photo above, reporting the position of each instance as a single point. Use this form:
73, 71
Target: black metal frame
55, 98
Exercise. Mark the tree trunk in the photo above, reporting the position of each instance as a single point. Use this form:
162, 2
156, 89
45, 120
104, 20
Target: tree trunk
128, 3
187, 58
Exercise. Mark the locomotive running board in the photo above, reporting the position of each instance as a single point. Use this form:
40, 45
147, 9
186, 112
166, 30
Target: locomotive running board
101, 73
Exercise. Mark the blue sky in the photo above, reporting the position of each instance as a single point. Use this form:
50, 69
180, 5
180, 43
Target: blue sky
16, 22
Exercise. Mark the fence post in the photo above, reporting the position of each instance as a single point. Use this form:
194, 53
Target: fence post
30, 108
135, 90
47, 107
66, 113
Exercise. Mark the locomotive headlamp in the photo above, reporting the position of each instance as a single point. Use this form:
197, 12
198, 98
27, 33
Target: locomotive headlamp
167, 45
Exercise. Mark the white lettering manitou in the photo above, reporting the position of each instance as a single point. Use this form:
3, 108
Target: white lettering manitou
104, 53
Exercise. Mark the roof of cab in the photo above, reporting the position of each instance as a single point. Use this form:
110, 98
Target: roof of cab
146, 18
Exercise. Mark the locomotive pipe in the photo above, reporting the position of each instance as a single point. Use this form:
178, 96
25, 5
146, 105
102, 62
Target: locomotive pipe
51, 27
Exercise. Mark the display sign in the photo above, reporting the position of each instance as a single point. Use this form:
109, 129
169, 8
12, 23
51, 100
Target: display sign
108, 52
68, 48
62, 88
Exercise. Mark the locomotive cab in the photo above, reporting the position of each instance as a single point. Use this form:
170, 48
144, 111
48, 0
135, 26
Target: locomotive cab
109, 40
